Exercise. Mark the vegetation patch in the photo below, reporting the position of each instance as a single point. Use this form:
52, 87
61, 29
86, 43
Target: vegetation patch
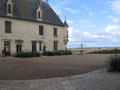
57, 53
114, 62
27, 54
105, 51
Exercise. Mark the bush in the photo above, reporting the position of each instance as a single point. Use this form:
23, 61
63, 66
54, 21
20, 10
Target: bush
57, 53
27, 54
114, 63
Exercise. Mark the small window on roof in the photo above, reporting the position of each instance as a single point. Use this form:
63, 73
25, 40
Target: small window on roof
9, 9
39, 14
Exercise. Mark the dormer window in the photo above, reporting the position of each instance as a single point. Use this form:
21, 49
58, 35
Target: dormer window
9, 8
39, 16
39, 11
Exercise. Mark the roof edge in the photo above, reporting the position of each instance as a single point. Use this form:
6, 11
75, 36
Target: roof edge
30, 20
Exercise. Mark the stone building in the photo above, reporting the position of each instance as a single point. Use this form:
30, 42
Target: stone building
31, 25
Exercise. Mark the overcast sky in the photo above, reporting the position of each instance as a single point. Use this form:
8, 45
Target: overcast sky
95, 23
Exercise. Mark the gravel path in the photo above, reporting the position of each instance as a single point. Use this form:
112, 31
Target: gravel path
49, 67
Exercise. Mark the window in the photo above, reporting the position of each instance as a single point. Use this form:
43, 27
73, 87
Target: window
67, 34
34, 46
40, 46
40, 30
7, 27
39, 15
9, 9
55, 46
18, 46
55, 32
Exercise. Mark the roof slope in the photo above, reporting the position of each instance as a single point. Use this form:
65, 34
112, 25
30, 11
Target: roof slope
26, 9
65, 24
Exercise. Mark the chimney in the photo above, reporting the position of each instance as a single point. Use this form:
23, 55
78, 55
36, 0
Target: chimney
40, 1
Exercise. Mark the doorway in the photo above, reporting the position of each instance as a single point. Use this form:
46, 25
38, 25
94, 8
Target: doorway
7, 48
44, 49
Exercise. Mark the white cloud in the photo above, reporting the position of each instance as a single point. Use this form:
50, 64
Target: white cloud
91, 26
91, 14
86, 34
116, 6
58, 5
71, 38
64, 2
73, 34
71, 10
112, 29
77, 31
104, 12
89, 10
114, 19
70, 21
84, 21
86, 7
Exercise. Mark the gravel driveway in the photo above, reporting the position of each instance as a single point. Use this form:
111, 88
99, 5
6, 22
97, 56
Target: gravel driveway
49, 67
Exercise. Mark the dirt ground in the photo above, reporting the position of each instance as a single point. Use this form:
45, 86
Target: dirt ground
49, 67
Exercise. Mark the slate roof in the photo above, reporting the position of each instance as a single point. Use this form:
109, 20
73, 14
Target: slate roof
26, 10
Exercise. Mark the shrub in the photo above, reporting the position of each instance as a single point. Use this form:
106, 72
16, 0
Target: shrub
114, 63
57, 53
27, 54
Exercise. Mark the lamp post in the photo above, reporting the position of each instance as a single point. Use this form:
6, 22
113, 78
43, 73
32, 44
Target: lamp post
81, 48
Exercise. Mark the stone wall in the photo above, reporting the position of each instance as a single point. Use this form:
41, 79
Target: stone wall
28, 31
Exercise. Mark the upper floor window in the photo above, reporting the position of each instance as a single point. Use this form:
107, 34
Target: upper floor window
41, 30
7, 26
55, 32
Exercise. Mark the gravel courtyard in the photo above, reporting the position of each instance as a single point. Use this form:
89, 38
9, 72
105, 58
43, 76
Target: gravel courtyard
50, 67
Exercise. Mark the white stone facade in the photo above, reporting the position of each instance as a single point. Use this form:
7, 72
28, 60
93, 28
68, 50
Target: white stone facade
28, 31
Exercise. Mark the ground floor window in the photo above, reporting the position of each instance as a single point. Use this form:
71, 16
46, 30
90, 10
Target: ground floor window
55, 45
34, 48
18, 46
